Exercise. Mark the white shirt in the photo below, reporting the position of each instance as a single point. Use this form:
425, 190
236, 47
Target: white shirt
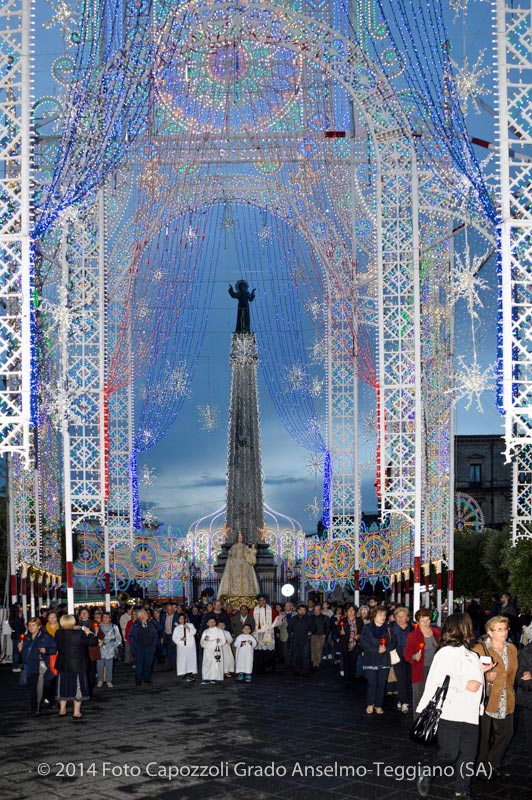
462, 665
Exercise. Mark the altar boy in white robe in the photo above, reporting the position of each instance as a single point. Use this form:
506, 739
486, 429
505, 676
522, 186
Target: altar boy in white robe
228, 657
183, 637
245, 644
212, 640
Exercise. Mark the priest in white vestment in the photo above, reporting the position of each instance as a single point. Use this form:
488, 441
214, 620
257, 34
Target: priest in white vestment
212, 641
183, 637
264, 616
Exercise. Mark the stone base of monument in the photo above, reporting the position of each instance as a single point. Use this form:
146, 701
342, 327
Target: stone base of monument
237, 600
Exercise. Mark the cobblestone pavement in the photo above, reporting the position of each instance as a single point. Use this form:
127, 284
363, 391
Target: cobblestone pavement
131, 737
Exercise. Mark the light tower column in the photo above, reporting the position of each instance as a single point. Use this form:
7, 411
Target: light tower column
245, 502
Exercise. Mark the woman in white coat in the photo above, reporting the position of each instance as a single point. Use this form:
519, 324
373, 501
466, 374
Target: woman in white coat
459, 722
183, 637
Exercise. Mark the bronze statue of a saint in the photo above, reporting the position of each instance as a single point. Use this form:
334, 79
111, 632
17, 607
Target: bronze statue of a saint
244, 298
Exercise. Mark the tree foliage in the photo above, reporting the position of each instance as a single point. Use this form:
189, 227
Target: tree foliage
518, 562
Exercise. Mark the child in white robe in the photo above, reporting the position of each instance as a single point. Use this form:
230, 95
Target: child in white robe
183, 637
244, 646
212, 641
228, 657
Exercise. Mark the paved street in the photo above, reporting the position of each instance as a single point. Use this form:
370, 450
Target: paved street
128, 735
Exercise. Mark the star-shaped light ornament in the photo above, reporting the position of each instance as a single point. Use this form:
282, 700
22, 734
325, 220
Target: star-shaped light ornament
315, 463
149, 519
265, 234
61, 407
314, 508
458, 6
65, 15
209, 417
148, 474
468, 81
471, 381
244, 350
147, 436
316, 387
466, 283
179, 381
296, 378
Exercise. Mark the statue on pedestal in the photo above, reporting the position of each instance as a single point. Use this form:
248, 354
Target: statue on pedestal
239, 578
244, 299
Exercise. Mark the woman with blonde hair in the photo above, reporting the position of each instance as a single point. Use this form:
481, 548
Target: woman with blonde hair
497, 723
72, 646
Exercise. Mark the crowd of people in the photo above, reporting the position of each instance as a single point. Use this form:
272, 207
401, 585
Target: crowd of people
62, 659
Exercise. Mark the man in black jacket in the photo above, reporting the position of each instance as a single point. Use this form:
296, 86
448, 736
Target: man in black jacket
169, 619
301, 628
243, 617
322, 627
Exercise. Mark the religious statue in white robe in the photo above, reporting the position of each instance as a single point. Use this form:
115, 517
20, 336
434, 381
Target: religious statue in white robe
212, 641
183, 637
245, 644
239, 578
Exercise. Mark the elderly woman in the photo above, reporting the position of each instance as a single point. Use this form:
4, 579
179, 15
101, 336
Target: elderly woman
400, 628
497, 723
72, 659
421, 645
36, 649
108, 649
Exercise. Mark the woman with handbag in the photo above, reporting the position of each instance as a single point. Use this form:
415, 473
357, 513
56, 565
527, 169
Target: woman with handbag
497, 722
462, 706
36, 649
377, 643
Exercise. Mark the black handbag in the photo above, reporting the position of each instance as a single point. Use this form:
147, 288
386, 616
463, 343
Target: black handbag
425, 728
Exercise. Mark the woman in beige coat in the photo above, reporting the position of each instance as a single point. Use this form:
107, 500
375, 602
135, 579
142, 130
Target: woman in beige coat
496, 725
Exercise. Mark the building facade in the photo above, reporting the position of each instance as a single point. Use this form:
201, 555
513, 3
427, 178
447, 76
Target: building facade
482, 474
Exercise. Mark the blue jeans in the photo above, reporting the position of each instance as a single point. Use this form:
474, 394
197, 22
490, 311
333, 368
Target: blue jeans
16, 658
106, 663
376, 679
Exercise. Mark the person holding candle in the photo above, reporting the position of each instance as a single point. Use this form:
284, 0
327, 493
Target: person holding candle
421, 645
377, 641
